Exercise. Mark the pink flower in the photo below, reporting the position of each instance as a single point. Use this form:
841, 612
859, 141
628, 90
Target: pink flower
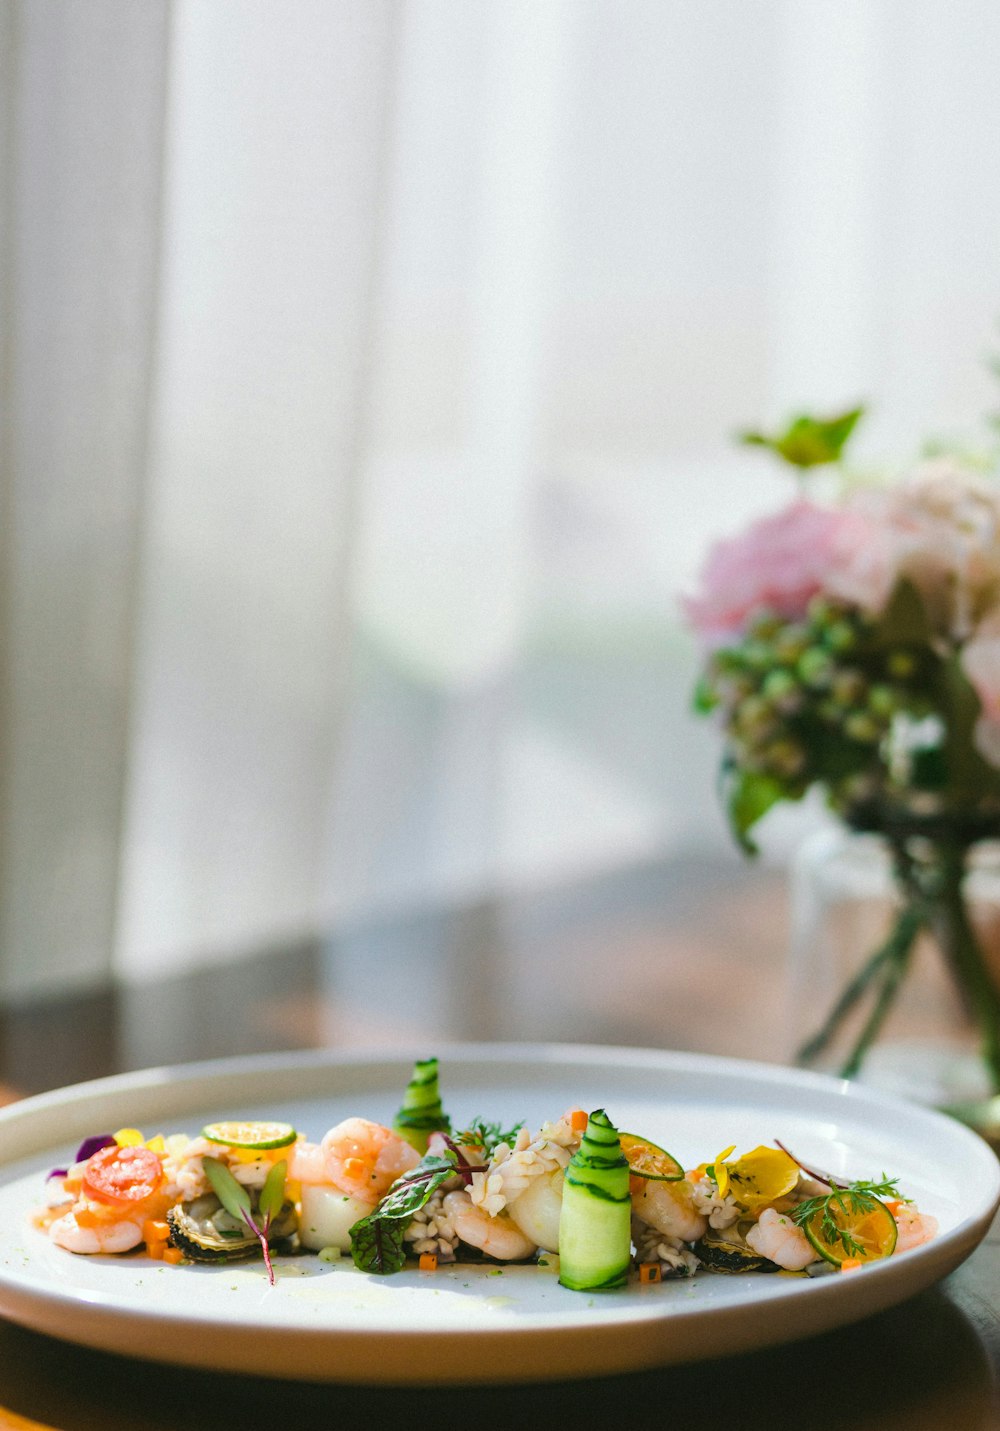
941, 530
777, 565
980, 660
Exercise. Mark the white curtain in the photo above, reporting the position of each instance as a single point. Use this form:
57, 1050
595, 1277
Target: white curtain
371, 369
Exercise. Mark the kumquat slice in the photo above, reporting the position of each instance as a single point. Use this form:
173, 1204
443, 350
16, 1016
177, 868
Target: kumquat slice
647, 1160
851, 1226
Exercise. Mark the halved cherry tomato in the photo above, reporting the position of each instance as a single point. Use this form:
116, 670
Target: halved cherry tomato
122, 1176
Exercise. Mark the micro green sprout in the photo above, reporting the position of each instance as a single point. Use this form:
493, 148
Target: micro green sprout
236, 1200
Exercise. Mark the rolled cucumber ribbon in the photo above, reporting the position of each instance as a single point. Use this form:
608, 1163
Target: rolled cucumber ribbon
595, 1224
421, 1113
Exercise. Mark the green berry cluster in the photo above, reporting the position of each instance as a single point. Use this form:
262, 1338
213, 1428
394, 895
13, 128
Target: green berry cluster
815, 700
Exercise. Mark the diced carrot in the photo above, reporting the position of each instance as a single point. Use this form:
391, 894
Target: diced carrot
155, 1248
428, 1262
850, 1264
894, 1204
649, 1272
72, 1185
355, 1167
173, 1255
85, 1217
153, 1230
578, 1120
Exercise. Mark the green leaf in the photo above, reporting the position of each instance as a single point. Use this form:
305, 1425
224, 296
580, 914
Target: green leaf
705, 697
272, 1194
749, 796
377, 1240
233, 1196
377, 1245
809, 441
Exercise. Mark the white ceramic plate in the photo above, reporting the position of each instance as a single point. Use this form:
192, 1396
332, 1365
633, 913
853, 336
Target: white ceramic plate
330, 1322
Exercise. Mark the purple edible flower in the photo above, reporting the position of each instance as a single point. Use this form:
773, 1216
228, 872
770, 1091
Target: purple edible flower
87, 1148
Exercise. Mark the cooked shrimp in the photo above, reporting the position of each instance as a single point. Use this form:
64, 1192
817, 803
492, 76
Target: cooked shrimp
780, 1240
496, 1236
913, 1228
669, 1207
107, 1237
307, 1164
364, 1159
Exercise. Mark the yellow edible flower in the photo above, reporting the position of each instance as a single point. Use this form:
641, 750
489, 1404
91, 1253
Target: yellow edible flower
722, 1171
129, 1138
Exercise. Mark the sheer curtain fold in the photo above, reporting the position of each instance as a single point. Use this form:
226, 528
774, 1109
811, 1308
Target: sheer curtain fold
275, 136
84, 89
190, 199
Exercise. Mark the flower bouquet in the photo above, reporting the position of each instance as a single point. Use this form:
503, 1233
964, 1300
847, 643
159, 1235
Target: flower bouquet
852, 643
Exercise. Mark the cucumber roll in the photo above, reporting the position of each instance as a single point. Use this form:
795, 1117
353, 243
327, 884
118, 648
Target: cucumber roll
421, 1113
595, 1239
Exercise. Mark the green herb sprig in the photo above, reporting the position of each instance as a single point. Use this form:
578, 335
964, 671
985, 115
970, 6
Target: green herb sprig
854, 1198
236, 1200
481, 1133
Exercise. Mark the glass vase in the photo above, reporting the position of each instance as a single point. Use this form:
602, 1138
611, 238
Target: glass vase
895, 961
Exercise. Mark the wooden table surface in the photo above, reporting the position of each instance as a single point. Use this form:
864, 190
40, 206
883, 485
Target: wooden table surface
681, 939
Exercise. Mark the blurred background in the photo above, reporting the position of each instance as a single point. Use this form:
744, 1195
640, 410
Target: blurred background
371, 369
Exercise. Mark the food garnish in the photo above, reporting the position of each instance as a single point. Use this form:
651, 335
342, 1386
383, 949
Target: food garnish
595, 1239
648, 1160
486, 1136
761, 1177
377, 1240
122, 1176
236, 1200
851, 1221
254, 1136
421, 1113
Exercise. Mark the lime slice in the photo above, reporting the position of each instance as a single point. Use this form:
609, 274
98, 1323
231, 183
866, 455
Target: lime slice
761, 1177
646, 1160
869, 1226
260, 1137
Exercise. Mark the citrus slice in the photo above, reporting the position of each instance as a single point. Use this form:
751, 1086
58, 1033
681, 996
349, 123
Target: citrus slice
122, 1176
863, 1229
259, 1137
646, 1160
761, 1177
